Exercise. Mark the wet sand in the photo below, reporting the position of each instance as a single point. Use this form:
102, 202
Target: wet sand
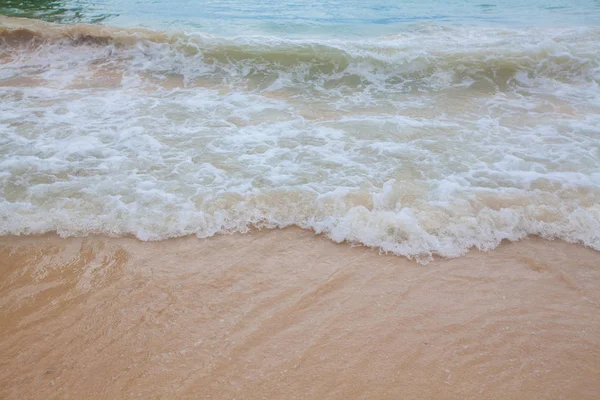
285, 314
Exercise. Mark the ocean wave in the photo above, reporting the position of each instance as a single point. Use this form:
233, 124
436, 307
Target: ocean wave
426, 58
431, 141
416, 231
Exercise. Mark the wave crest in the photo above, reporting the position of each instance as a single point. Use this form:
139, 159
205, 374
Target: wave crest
429, 58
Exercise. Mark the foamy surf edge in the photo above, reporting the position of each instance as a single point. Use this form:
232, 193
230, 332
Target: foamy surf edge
95, 160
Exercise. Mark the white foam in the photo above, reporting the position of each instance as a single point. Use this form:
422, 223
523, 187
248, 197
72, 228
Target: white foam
436, 167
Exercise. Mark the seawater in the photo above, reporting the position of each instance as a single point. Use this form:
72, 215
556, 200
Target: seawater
419, 128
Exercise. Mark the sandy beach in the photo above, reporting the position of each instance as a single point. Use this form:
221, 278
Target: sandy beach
287, 314
233, 199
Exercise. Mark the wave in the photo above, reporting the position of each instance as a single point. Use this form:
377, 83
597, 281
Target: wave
416, 230
431, 141
426, 58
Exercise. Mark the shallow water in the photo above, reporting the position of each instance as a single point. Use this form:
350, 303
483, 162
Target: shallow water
285, 314
330, 18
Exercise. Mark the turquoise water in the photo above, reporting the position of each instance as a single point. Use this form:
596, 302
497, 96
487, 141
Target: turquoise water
417, 127
351, 18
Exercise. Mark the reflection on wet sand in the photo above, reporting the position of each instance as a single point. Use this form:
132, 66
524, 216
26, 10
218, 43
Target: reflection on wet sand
286, 314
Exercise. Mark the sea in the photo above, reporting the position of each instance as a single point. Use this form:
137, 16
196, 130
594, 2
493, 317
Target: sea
420, 128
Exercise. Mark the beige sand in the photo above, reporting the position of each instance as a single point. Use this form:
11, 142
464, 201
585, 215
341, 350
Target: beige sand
285, 314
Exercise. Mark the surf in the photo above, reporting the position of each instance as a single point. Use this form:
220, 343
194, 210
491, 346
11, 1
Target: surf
427, 142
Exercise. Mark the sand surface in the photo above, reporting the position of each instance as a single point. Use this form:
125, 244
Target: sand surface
285, 314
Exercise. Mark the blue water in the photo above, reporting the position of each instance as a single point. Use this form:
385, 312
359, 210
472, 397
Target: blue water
294, 18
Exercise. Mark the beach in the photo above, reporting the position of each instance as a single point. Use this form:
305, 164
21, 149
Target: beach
234, 199
289, 314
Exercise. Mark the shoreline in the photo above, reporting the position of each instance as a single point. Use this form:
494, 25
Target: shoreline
287, 314
436, 167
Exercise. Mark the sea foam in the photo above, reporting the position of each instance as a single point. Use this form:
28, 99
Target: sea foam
431, 141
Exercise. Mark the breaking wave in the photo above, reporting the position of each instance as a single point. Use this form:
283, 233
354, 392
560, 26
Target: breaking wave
431, 141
